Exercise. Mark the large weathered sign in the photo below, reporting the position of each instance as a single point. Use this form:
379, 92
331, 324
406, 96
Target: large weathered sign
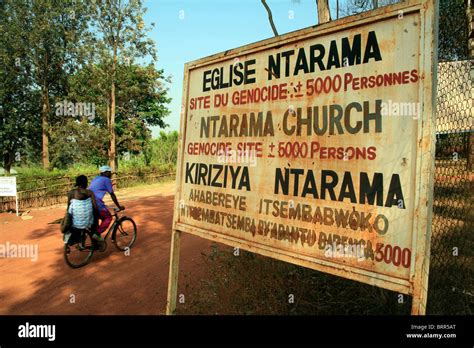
316, 148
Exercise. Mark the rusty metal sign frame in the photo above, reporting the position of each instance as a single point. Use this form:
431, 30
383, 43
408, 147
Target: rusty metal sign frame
419, 269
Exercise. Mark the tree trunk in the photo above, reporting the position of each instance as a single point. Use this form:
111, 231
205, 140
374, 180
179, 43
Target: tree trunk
7, 163
112, 129
44, 127
323, 11
108, 127
112, 152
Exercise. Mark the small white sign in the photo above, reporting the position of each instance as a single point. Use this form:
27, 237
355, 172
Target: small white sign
7, 186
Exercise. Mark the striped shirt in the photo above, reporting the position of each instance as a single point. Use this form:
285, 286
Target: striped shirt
82, 213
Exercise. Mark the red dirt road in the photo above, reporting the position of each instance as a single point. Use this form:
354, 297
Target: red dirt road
112, 283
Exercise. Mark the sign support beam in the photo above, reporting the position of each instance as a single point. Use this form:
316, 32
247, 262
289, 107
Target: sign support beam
173, 272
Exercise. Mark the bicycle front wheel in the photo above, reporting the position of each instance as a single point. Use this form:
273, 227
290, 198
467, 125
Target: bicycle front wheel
125, 234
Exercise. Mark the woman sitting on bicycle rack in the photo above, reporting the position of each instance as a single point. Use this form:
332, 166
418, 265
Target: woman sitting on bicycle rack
83, 208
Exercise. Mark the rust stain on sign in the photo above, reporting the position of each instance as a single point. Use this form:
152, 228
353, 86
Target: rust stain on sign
305, 147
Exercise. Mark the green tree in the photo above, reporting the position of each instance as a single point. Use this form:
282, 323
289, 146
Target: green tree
77, 141
142, 102
54, 32
19, 101
165, 148
121, 36
87, 136
78, 52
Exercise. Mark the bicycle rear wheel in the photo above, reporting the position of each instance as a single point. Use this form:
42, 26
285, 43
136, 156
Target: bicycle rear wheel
125, 233
80, 253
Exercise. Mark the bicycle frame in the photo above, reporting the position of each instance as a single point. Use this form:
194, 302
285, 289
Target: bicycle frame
112, 226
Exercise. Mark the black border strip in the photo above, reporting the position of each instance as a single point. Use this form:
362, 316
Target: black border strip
225, 330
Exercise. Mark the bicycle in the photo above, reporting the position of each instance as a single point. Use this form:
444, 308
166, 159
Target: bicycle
79, 252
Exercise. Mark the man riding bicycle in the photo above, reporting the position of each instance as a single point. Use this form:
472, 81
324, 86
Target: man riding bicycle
100, 185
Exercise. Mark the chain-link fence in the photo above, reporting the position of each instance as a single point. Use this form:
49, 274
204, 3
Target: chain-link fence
451, 288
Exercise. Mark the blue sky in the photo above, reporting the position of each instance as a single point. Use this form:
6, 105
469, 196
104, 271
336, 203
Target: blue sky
186, 30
